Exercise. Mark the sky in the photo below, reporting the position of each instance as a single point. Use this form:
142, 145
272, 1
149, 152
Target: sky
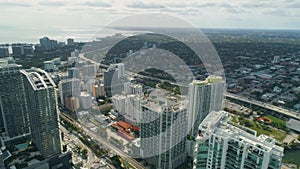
27, 21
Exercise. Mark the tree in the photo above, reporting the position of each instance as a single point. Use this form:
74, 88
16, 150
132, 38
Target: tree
64, 148
84, 152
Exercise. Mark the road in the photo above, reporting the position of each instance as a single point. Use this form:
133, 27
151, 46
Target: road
91, 157
103, 141
277, 109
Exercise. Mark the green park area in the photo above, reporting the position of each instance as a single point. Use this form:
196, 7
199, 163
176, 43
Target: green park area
265, 129
276, 122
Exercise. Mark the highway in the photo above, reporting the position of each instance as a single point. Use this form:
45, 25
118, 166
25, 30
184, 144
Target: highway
277, 109
91, 157
103, 141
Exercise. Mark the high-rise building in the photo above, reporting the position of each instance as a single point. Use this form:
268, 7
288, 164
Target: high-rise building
61, 161
61, 44
48, 44
74, 73
53, 44
72, 103
68, 88
98, 91
3, 52
17, 49
108, 76
72, 60
135, 89
49, 66
85, 100
219, 144
276, 59
89, 86
45, 43
121, 70
28, 49
163, 133
70, 42
119, 103
41, 101
127, 88
13, 110
133, 109
89, 71
75, 53
204, 97
114, 78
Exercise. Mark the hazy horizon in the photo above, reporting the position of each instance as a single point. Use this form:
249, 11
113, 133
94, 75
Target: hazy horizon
84, 34
27, 21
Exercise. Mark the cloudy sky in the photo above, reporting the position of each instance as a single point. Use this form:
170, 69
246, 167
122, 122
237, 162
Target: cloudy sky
27, 20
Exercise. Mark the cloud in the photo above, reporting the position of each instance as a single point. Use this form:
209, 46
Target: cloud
255, 5
97, 4
277, 12
235, 10
145, 5
293, 5
225, 5
207, 4
15, 4
52, 3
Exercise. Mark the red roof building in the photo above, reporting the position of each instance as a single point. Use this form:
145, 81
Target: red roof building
124, 125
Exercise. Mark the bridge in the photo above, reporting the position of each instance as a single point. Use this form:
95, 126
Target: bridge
277, 109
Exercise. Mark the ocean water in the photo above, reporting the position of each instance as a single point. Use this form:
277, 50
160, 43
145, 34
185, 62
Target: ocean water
61, 34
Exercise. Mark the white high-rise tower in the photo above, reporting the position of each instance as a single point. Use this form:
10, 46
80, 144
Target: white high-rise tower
204, 97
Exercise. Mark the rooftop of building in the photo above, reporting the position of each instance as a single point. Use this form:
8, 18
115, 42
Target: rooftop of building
209, 79
4, 66
69, 80
159, 101
84, 94
218, 123
294, 124
38, 78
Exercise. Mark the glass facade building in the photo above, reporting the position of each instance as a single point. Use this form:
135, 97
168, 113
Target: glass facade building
41, 96
14, 120
221, 145
163, 134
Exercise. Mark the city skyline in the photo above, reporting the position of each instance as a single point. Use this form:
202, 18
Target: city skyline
94, 15
150, 84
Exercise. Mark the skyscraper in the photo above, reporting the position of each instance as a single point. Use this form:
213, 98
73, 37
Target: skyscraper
130, 88
53, 44
89, 71
108, 78
219, 144
28, 49
119, 103
13, 110
133, 109
68, 88
74, 73
48, 44
121, 70
70, 42
163, 133
85, 100
204, 97
98, 91
45, 43
41, 101
4, 52
18, 49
